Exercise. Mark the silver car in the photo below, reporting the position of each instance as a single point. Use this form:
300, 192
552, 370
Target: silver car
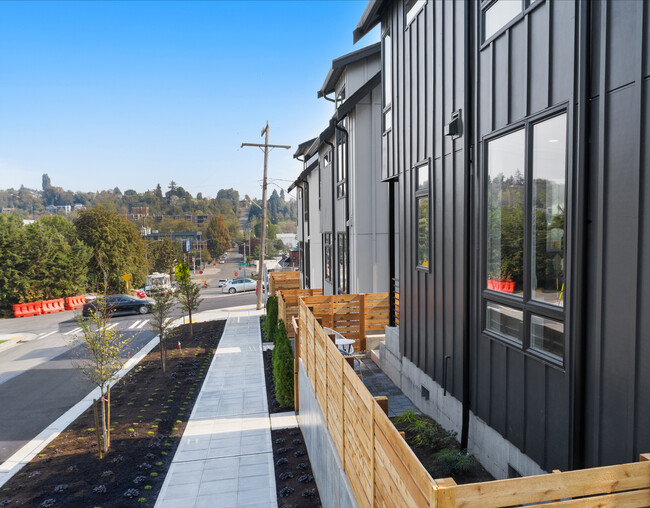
239, 285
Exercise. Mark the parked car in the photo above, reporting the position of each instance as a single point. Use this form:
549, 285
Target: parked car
239, 285
119, 304
222, 283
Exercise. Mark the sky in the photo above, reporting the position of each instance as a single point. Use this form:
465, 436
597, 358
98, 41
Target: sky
99, 94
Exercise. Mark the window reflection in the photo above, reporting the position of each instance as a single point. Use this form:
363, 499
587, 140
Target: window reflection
547, 335
423, 231
499, 14
549, 170
505, 214
504, 320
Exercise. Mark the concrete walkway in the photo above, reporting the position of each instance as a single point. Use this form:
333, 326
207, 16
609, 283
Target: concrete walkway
225, 458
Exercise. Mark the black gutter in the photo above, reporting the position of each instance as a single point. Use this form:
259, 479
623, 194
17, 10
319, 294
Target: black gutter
334, 260
468, 133
391, 253
347, 203
579, 353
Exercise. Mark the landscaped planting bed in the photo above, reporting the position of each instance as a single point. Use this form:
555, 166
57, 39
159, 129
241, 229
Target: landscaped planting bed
294, 480
149, 413
438, 450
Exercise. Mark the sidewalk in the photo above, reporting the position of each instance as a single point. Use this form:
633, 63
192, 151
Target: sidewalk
225, 457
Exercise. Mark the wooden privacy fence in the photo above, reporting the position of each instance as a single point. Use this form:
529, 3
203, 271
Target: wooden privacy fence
383, 470
353, 316
288, 305
283, 280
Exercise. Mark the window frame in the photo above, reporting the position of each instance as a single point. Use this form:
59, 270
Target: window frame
342, 262
342, 162
417, 195
327, 254
527, 6
412, 9
387, 81
524, 302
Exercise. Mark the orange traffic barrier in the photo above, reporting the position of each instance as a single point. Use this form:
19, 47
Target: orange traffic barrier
75, 302
27, 309
52, 306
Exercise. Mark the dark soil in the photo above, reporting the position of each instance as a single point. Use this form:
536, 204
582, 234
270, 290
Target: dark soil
439, 453
274, 405
294, 480
149, 413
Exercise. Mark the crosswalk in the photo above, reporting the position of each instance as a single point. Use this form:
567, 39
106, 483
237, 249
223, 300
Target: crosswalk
136, 325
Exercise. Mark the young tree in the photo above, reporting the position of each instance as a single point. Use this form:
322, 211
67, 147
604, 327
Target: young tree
98, 351
161, 321
165, 255
189, 292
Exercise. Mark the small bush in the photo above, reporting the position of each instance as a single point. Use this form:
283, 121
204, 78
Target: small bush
454, 461
271, 321
283, 367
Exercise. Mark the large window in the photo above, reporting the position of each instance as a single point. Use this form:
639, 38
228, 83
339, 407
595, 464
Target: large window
327, 256
342, 249
499, 13
342, 163
525, 236
422, 214
387, 81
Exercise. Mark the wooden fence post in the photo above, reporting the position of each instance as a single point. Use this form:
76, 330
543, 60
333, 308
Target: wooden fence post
362, 321
97, 430
382, 401
343, 413
446, 492
296, 368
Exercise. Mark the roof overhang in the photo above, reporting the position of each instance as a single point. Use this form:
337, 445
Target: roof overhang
369, 19
339, 64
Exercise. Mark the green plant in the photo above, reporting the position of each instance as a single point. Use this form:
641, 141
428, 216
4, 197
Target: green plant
271, 321
455, 461
283, 367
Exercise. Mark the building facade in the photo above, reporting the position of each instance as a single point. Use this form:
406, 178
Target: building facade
513, 139
342, 230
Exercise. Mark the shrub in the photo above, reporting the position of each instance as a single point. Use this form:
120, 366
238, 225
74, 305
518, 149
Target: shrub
271, 321
283, 367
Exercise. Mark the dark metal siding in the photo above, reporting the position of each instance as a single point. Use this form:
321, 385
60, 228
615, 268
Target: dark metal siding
618, 324
522, 72
428, 86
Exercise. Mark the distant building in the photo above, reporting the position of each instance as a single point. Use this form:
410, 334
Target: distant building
8, 210
195, 238
55, 209
289, 239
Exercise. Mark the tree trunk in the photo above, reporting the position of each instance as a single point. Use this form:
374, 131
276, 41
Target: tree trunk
162, 354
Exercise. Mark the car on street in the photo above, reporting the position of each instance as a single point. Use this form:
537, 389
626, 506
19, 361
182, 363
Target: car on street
239, 285
119, 304
222, 283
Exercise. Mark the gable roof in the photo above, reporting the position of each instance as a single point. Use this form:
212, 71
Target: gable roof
339, 64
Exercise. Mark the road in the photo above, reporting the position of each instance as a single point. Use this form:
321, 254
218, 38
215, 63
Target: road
38, 382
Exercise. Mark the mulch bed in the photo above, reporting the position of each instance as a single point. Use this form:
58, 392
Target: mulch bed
149, 413
294, 480
439, 452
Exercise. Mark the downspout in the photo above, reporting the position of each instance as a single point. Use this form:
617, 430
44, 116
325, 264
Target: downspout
334, 260
579, 353
347, 204
468, 132
302, 218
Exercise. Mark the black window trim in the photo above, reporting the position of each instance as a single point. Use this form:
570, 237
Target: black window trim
419, 194
528, 6
524, 303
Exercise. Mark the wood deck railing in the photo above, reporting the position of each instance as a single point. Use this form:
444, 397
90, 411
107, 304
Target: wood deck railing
353, 316
288, 305
383, 470
283, 280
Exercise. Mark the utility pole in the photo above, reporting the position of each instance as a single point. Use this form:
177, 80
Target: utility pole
266, 147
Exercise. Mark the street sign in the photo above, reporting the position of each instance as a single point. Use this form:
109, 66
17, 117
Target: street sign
236, 274
243, 264
126, 277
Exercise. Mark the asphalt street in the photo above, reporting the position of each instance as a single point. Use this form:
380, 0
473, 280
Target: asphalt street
38, 382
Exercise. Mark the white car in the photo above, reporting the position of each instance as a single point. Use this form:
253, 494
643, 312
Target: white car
222, 283
239, 285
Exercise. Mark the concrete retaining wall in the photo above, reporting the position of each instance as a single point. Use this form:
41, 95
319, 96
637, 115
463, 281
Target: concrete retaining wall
333, 484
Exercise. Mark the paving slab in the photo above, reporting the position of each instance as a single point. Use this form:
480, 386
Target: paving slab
225, 457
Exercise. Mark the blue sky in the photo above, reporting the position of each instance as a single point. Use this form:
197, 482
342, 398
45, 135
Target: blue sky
131, 94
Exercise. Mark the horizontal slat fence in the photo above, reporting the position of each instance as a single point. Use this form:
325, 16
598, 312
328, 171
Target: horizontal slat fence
383, 470
283, 280
353, 316
288, 305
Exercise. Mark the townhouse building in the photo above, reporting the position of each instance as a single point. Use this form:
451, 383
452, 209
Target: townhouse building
513, 139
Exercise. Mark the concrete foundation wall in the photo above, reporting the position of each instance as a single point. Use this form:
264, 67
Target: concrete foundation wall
492, 450
333, 484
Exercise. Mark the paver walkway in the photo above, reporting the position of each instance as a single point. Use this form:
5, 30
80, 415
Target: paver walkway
225, 456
